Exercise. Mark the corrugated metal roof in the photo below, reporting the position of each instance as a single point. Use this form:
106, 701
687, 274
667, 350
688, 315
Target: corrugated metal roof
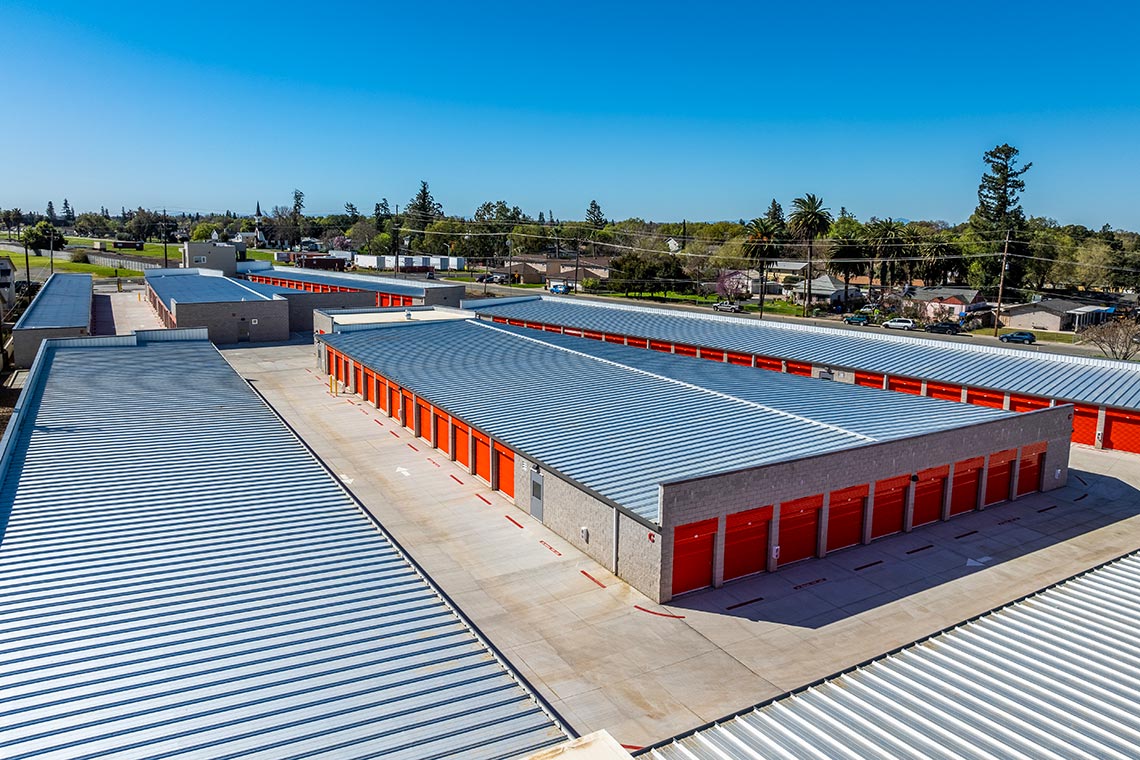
361, 281
564, 401
202, 288
63, 301
1072, 378
167, 594
1056, 675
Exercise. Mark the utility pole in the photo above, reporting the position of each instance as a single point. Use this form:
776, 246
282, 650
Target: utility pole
51, 250
1001, 283
165, 262
576, 267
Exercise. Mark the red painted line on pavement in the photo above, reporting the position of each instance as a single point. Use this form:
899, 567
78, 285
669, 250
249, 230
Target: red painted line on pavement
482, 499
308, 370
393, 432
551, 548
350, 401
433, 461
413, 448
457, 480
658, 614
378, 422
595, 580
363, 410
516, 522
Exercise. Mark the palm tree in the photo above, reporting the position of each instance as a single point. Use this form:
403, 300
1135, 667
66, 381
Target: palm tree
809, 220
847, 257
760, 247
886, 239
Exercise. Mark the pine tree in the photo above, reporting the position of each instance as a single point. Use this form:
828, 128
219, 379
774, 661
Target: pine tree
595, 216
382, 211
999, 214
68, 213
775, 215
542, 219
51, 217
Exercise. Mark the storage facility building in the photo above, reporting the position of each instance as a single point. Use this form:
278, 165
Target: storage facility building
167, 595
1055, 675
384, 291
230, 310
1105, 393
62, 309
679, 474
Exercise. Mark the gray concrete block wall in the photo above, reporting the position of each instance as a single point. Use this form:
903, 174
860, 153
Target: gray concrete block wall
26, 343
639, 558
449, 295
566, 510
301, 305
223, 320
710, 497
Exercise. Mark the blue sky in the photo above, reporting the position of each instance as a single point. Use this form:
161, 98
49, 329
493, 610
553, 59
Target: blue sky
662, 110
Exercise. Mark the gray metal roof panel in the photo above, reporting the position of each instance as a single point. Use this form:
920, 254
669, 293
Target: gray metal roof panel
1072, 378
1056, 675
564, 401
63, 301
163, 594
350, 280
196, 288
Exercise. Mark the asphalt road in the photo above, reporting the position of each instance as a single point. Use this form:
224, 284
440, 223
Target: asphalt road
476, 290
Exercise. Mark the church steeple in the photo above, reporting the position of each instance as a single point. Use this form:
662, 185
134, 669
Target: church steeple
258, 212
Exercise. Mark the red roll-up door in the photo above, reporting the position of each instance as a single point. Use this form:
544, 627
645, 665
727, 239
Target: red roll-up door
1121, 430
369, 389
799, 528
552, 328
1029, 469
869, 379
358, 376
614, 338
1084, 424
944, 391
385, 300
1019, 403
693, 549
657, 345
743, 360
964, 492
766, 362
423, 411
381, 393
637, 342
799, 368
979, 397
845, 517
505, 461
889, 507
928, 495
683, 350
589, 334
407, 410
904, 385
746, 542
999, 476
482, 455
712, 354
442, 441
462, 444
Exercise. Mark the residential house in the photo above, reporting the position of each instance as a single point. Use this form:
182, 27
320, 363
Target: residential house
949, 302
1054, 314
825, 288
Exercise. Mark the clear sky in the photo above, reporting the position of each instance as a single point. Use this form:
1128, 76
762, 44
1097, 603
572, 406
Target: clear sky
662, 110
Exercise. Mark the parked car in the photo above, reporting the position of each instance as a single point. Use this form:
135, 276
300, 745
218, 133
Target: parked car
899, 323
728, 306
857, 319
1023, 336
430, 275
868, 309
560, 290
483, 278
945, 328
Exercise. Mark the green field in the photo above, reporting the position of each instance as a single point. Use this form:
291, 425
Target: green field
154, 250
41, 265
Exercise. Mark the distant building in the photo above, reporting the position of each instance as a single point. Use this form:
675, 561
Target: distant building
825, 288
947, 301
7, 283
1054, 314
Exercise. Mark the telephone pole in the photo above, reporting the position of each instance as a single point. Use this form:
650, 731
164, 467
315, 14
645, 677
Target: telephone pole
1001, 283
165, 235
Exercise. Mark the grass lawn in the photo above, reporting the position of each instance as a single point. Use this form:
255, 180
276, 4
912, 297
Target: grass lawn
1042, 335
40, 266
